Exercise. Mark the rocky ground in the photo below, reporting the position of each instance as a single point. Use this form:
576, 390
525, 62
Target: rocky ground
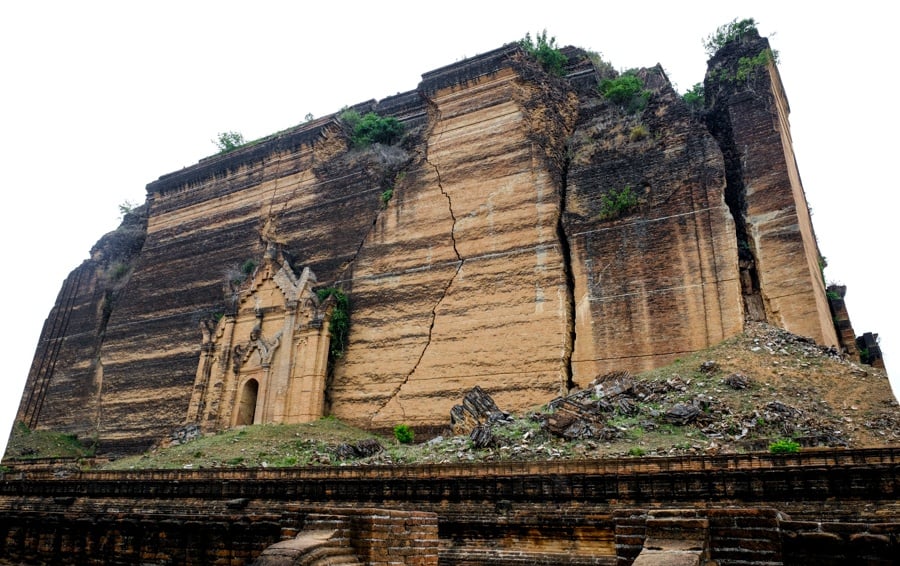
753, 390
762, 387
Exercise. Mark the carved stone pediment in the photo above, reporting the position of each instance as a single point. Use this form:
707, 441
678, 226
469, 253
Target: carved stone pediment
292, 286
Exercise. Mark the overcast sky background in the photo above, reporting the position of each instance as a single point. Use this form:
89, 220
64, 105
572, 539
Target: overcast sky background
97, 99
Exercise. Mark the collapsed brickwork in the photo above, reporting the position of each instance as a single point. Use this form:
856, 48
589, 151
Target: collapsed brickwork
475, 252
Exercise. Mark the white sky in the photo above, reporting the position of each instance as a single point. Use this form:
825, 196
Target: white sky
99, 98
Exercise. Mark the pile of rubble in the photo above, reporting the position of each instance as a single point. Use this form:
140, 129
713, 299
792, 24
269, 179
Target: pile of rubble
779, 341
713, 408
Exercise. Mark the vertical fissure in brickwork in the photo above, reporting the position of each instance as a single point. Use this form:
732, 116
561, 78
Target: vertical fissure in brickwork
342, 273
459, 264
109, 297
569, 279
735, 192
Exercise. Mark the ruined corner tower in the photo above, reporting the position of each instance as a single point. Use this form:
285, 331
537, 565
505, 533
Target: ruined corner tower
781, 266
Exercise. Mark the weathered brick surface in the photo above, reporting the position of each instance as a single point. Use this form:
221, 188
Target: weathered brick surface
143, 535
808, 542
504, 174
380, 537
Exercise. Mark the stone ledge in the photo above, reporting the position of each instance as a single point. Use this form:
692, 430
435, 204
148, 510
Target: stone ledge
668, 558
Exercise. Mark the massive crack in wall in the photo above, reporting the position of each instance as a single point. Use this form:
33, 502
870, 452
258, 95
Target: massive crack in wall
395, 398
469, 261
550, 110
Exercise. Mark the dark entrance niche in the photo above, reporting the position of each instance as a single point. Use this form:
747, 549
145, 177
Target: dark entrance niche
247, 408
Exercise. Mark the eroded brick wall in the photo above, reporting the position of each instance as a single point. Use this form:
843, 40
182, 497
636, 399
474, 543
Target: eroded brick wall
152, 536
384, 537
575, 513
65, 530
825, 544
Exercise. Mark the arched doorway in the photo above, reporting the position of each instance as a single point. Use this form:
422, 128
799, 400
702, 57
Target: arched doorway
247, 407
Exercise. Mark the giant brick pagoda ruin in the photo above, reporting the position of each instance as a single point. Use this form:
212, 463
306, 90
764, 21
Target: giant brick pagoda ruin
525, 233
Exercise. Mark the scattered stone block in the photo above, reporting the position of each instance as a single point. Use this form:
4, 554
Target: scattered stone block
477, 408
737, 381
682, 414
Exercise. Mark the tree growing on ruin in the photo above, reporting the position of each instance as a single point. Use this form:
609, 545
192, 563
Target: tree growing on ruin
735, 29
546, 52
228, 141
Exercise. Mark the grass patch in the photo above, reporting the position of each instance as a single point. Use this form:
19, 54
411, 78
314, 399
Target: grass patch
638, 133
784, 446
27, 444
276, 445
733, 420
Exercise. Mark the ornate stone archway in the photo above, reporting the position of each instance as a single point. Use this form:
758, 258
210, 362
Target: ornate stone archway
278, 338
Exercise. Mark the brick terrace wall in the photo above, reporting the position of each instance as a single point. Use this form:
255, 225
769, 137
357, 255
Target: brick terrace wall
744, 536
798, 480
195, 532
382, 537
631, 531
111, 537
737, 536
827, 544
809, 475
566, 512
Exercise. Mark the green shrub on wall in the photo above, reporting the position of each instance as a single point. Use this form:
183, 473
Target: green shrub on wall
784, 446
340, 320
545, 52
386, 196
695, 97
626, 90
371, 128
747, 65
726, 33
228, 141
617, 203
